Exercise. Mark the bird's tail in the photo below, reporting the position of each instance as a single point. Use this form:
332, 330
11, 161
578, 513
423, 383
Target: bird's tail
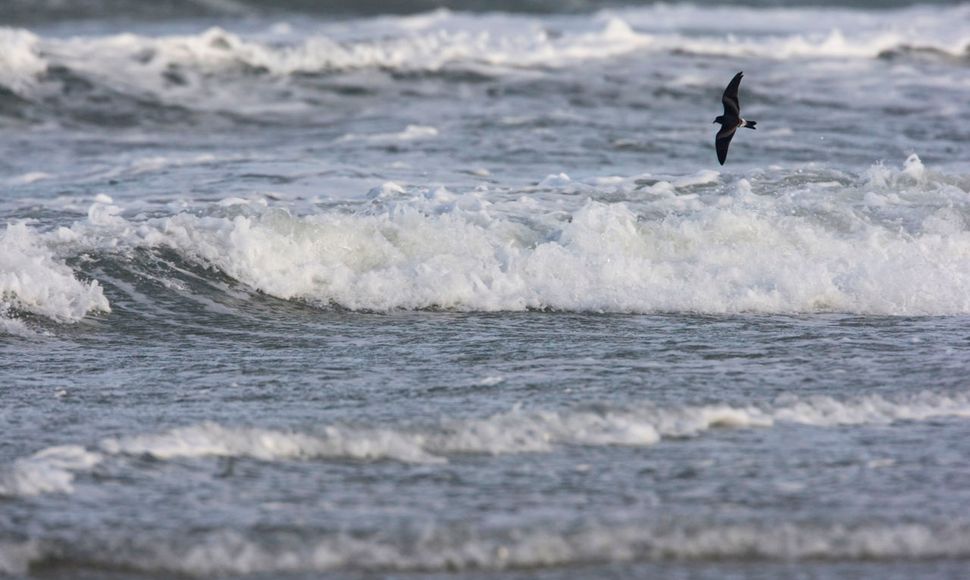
750, 124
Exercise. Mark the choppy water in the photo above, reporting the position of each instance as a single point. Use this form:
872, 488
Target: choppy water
466, 294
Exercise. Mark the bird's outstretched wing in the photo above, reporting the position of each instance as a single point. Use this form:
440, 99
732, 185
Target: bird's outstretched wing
722, 140
732, 107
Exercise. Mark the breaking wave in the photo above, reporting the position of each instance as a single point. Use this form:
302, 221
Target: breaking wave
40, 11
255, 73
50, 470
34, 281
893, 242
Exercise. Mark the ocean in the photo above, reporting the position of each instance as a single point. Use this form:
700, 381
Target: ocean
423, 289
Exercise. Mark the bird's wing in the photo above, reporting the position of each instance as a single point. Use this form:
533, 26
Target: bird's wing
722, 141
732, 107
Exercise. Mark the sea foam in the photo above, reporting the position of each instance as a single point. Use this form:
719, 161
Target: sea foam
539, 431
20, 64
893, 242
810, 249
450, 548
202, 70
50, 470
53, 470
33, 280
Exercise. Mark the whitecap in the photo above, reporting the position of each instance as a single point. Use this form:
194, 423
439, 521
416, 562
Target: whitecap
33, 280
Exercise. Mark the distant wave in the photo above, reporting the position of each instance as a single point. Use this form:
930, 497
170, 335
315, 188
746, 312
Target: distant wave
53, 470
45, 11
450, 548
129, 78
530, 432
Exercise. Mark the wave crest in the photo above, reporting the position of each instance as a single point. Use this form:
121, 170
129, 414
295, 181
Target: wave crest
725, 254
223, 70
33, 280
461, 548
53, 470
20, 65
894, 242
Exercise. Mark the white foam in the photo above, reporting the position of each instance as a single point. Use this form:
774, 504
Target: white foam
451, 548
521, 431
913, 173
33, 280
702, 177
29, 178
50, 470
491, 380
13, 326
410, 133
513, 432
386, 190
716, 254
684, 244
210, 439
496, 43
215, 69
826, 411
441, 550
554, 181
19, 62
156, 163
799, 32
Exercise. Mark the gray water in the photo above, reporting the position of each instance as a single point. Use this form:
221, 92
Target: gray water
465, 294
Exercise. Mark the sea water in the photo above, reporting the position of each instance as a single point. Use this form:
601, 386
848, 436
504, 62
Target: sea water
463, 293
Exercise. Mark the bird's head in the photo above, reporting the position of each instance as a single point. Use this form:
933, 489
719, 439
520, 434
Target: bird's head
719, 119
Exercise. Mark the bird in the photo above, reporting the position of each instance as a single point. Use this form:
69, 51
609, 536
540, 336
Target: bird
731, 119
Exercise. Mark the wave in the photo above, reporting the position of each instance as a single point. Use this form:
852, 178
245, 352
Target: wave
43, 11
525, 432
50, 470
888, 242
53, 470
256, 74
20, 63
732, 253
462, 548
33, 281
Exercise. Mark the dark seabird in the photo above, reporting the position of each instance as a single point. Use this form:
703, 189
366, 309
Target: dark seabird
731, 119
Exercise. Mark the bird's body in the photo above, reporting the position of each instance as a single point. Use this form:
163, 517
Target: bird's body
731, 119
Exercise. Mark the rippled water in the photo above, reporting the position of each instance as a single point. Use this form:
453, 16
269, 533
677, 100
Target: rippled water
466, 293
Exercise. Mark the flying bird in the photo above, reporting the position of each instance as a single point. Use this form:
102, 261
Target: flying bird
731, 119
